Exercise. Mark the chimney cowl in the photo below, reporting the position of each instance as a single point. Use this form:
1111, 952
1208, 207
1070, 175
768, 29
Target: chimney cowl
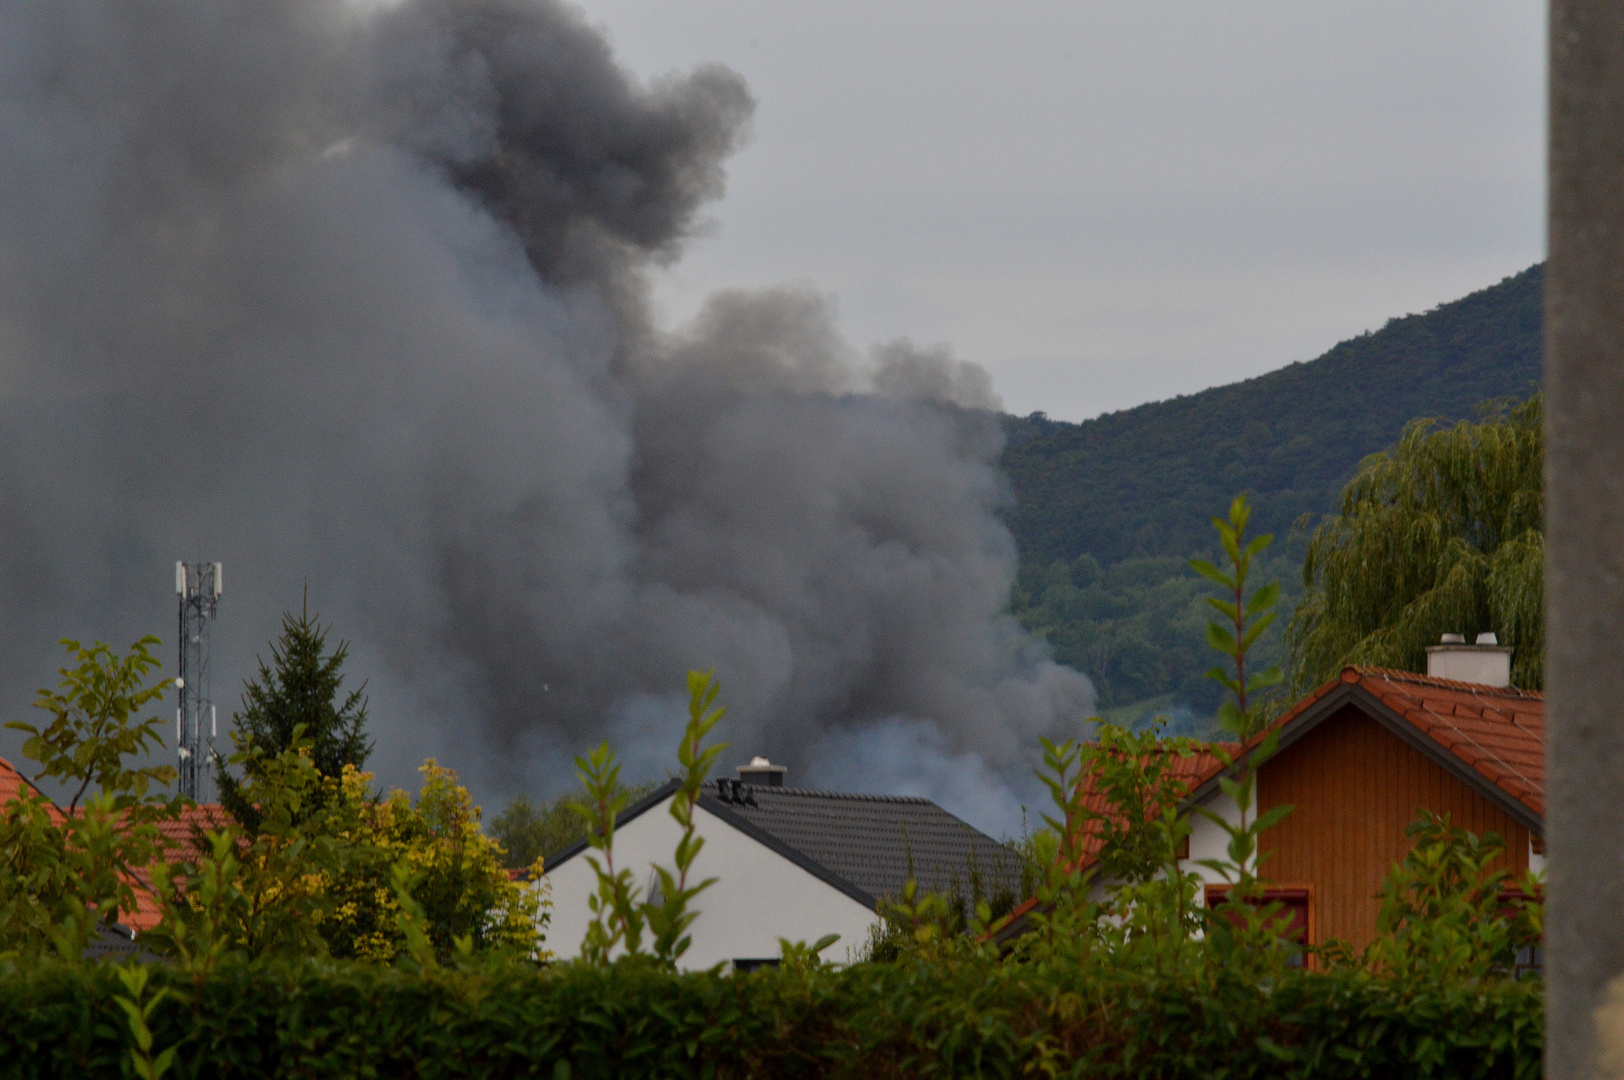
762, 773
1486, 663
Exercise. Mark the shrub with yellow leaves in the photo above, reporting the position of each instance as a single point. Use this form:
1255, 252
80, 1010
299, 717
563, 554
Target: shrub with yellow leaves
330, 881
454, 872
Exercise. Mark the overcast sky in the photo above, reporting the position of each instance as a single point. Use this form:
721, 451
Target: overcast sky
1111, 203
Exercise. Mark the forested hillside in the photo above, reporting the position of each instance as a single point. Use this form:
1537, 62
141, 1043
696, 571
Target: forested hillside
1107, 511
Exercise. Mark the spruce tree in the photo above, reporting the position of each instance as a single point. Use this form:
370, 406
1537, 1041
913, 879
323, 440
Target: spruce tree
302, 685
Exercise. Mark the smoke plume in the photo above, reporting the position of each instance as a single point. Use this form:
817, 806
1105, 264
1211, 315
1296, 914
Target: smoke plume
352, 296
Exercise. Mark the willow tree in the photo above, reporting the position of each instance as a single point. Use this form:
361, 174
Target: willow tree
1441, 534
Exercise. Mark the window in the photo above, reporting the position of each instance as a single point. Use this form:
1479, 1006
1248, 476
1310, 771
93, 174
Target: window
1530, 959
744, 966
1296, 903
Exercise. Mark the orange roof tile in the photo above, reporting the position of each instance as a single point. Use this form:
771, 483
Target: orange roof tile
12, 782
183, 839
182, 835
180, 841
1498, 731
1190, 772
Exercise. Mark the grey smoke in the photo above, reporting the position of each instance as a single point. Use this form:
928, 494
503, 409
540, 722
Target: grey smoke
353, 295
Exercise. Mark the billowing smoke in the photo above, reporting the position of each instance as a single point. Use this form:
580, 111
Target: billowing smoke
352, 296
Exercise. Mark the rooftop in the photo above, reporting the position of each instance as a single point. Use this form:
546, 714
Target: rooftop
874, 842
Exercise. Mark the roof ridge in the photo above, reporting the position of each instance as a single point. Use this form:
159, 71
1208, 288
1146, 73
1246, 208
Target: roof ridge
821, 793
1480, 689
1465, 736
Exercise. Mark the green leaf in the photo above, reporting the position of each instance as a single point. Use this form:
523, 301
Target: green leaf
1255, 630
1222, 639
1265, 597
1265, 679
1212, 573
1272, 817
1239, 513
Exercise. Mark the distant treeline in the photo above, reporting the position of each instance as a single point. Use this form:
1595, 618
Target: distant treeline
1107, 511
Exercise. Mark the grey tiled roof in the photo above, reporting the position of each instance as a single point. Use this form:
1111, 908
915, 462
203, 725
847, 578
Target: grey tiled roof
871, 842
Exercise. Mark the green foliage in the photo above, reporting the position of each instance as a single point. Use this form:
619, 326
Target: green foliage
137, 1012
1116, 503
975, 1017
332, 871
670, 917
1441, 534
1138, 482
1242, 925
1244, 620
618, 917
529, 830
301, 689
1138, 628
92, 728
1141, 828
258, 894
799, 957
63, 873
1447, 913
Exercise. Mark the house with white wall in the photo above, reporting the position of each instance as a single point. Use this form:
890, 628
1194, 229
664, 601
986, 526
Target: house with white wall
790, 863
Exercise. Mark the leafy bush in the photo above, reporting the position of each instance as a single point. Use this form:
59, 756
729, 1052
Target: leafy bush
335, 871
531, 830
63, 872
977, 1017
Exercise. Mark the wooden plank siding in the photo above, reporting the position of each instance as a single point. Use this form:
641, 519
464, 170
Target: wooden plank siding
1355, 786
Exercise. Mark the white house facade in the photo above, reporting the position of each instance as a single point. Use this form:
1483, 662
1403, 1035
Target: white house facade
789, 864
760, 895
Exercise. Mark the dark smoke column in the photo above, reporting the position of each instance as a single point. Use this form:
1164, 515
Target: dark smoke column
395, 255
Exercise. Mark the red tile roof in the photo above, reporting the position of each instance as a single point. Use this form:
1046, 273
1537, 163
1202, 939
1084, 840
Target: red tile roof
12, 782
184, 838
1498, 731
179, 841
184, 835
1187, 772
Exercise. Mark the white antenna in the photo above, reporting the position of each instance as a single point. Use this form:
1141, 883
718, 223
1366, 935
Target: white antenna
198, 586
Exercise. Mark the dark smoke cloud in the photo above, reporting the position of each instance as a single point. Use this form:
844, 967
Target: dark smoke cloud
352, 296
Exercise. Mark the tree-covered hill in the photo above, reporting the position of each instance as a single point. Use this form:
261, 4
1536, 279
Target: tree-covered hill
1106, 510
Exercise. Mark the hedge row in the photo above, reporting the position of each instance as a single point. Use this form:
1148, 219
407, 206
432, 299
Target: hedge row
327, 1019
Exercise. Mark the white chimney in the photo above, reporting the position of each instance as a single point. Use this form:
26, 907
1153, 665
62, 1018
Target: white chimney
762, 773
1487, 663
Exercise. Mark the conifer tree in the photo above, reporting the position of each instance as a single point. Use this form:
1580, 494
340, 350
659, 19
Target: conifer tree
303, 685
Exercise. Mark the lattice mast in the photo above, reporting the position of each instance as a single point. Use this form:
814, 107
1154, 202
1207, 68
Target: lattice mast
199, 586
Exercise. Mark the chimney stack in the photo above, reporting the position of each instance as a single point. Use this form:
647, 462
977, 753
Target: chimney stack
762, 773
1487, 663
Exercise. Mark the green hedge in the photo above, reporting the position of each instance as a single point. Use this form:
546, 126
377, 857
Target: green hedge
977, 1018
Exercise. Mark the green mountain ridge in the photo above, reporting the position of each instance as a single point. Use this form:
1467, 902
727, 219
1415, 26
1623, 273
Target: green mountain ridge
1106, 511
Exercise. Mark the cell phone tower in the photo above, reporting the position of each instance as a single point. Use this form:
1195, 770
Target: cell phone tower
199, 586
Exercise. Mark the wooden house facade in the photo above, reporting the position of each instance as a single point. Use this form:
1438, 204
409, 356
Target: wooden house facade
1358, 760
